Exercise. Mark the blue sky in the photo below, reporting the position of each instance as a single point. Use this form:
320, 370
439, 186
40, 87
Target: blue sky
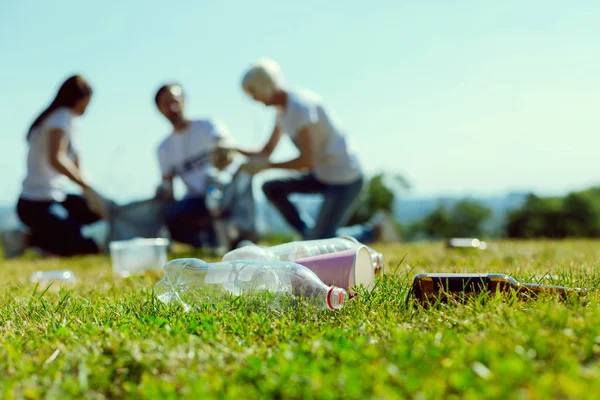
463, 97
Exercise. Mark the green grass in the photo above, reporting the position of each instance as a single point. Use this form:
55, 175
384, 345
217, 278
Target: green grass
109, 338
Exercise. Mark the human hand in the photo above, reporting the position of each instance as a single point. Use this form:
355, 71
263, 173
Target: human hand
164, 191
222, 157
256, 164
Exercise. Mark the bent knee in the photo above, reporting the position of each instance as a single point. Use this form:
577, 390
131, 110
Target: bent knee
270, 188
172, 213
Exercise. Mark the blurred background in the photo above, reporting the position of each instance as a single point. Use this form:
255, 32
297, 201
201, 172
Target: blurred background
470, 118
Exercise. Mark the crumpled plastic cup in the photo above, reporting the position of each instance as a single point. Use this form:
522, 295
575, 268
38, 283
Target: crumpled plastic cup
345, 269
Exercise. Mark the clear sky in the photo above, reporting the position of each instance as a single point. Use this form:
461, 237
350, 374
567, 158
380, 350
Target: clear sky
463, 97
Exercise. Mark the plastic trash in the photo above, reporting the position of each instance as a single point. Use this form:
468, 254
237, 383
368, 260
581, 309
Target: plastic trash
434, 287
135, 256
64, 276
190, 282
245, 242
472, 243
293, 251
346, 269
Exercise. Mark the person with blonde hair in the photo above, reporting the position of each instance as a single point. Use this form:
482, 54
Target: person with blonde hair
327, 164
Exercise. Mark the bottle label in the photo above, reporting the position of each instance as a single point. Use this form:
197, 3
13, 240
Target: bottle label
460, 283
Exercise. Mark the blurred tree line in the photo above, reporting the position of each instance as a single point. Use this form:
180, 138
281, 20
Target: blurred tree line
574, 215
466, 218
379, 194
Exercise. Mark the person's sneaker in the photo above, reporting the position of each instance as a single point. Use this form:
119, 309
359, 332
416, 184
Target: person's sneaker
14, 243
384, 227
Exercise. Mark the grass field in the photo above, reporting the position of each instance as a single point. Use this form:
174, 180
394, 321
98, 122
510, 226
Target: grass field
108, 338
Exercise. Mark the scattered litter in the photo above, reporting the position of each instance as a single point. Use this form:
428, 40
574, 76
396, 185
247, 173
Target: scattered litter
429, 288
293, 251
191, 282
135, 256
64, 276
346, 269
466, 243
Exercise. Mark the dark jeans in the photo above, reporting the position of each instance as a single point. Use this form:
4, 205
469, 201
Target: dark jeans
189, 222
338, 203
55, 233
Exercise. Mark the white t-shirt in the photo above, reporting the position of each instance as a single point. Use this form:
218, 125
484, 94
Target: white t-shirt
187, 154
43, 182
334, 162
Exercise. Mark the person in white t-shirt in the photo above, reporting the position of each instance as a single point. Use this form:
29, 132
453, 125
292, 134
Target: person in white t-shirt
330, 167
187, 153
55, 218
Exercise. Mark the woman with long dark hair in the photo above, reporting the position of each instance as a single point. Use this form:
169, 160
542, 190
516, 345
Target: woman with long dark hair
55, 218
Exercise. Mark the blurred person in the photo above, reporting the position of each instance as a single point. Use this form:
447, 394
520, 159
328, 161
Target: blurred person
54, 217
230, 198
326, 164
187, 153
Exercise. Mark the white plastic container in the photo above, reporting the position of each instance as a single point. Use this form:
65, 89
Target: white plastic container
134, 256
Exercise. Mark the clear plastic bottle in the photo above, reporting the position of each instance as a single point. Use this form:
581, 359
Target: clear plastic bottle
190, 281
301, 249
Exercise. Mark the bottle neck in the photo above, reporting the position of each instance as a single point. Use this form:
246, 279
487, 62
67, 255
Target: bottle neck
532, 288
335, 298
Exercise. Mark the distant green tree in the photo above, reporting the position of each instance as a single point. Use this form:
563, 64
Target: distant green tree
582, 214
465, 219
379, 194
437, 223
575, 215
538, 217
